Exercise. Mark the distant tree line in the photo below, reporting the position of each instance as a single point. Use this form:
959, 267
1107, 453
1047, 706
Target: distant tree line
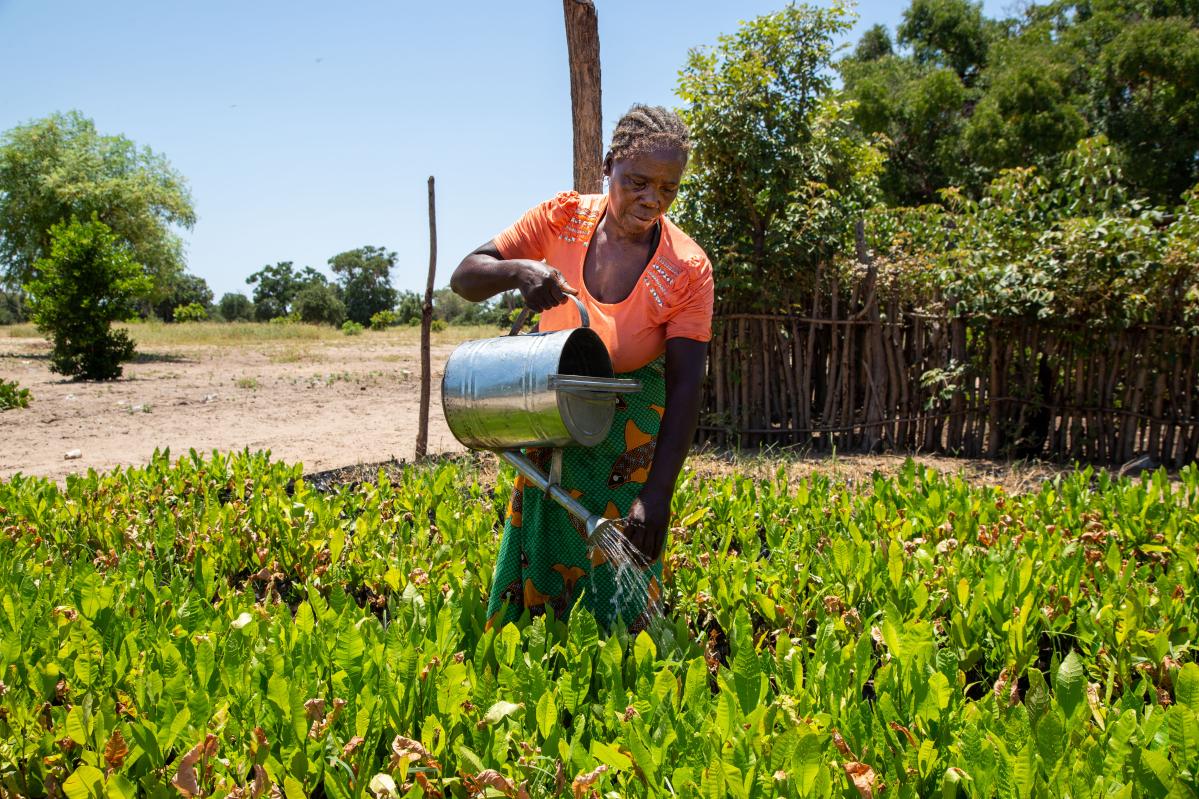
89, 235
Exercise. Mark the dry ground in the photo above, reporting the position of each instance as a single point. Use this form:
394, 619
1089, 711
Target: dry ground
307, 394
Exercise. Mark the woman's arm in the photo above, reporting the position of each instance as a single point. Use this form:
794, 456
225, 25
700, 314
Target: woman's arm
649, 516
485, 273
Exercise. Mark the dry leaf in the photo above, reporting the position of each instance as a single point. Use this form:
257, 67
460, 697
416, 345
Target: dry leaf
314, 709
863, 778
582, 783
412, 751
430, 790
261, 782
906, 732
842, 747
351, 745
186, 781
116, 750
490, 778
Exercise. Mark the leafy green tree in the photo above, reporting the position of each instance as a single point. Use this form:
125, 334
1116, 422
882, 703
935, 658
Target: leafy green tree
778, 173
88, 281
60, 167
1027, 113
182, 289
408, 308
236, 307
1151, 103
946, 33
276, 287
12, 307
919, 111
365, 275
318, 304
874, 44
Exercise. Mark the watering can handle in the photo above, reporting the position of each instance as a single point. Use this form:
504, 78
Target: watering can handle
584, 317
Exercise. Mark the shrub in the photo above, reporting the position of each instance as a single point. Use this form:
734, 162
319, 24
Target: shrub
13, 396
192, 312
437, 325
236, 308
384, 319
89, 281
318, 304
351, 328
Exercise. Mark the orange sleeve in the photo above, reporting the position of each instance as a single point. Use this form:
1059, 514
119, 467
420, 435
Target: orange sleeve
693, 317
529, 237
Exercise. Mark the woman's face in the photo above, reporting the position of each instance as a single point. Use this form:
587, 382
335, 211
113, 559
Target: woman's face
642, 186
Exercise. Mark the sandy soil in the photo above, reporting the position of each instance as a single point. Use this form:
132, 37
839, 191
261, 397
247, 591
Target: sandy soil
325, 404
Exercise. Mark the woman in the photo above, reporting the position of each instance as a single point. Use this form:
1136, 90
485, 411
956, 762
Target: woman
648, 290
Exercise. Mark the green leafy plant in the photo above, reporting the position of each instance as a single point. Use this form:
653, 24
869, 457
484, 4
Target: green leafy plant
218, 625
351, 328
88, 281
193, 312
13, 396
384, 319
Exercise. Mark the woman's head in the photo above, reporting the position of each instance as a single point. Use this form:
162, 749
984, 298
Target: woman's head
645, 164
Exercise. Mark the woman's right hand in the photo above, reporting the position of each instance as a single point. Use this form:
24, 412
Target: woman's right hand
542, 286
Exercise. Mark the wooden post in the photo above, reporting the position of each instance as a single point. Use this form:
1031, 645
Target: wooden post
426, 325
582, 45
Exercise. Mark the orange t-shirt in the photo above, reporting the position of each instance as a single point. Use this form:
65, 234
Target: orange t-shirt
673, 298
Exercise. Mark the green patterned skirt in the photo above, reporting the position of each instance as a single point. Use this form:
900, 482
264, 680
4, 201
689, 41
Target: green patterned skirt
544, 559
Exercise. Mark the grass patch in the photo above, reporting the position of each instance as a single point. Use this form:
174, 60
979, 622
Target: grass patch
247, 382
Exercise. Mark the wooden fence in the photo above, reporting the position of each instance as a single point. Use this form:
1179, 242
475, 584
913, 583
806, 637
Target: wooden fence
860, 373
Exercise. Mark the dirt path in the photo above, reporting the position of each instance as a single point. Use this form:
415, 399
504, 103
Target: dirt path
325, 404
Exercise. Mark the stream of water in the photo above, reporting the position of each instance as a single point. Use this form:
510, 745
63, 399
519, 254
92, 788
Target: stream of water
631, 572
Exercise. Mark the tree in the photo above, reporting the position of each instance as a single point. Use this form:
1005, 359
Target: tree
778, 173
88, 281
236, 308
60, 167
182, 289
946, 33
318, 304
276, 286
874, 44
365, 275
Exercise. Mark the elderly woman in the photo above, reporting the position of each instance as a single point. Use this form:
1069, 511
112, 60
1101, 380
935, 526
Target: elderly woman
648, 290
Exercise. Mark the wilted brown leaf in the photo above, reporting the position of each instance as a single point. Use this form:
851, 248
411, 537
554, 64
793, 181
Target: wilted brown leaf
863, 778
116, 750
186, 780
314, 709
351, 745
261, 782
842, 747
904, 731
490, 778
412, 751
582, 783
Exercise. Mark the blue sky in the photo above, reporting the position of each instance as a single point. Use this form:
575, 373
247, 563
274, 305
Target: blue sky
309, 128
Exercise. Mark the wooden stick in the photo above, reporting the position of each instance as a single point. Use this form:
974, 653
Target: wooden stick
582, 46
426, 326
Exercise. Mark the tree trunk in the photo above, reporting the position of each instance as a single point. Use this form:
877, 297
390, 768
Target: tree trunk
426, 325
582, 45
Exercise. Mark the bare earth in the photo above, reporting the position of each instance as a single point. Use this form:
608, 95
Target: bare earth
329, 403
326, 404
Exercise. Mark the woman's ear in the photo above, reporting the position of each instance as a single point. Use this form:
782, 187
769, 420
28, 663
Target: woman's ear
608, 165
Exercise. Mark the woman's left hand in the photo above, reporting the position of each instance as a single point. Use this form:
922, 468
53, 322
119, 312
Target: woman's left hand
647, 523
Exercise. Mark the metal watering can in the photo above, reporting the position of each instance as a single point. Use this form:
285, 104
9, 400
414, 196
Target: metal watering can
537, 390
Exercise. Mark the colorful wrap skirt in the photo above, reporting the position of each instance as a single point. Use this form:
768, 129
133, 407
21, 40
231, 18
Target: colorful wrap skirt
544, 560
